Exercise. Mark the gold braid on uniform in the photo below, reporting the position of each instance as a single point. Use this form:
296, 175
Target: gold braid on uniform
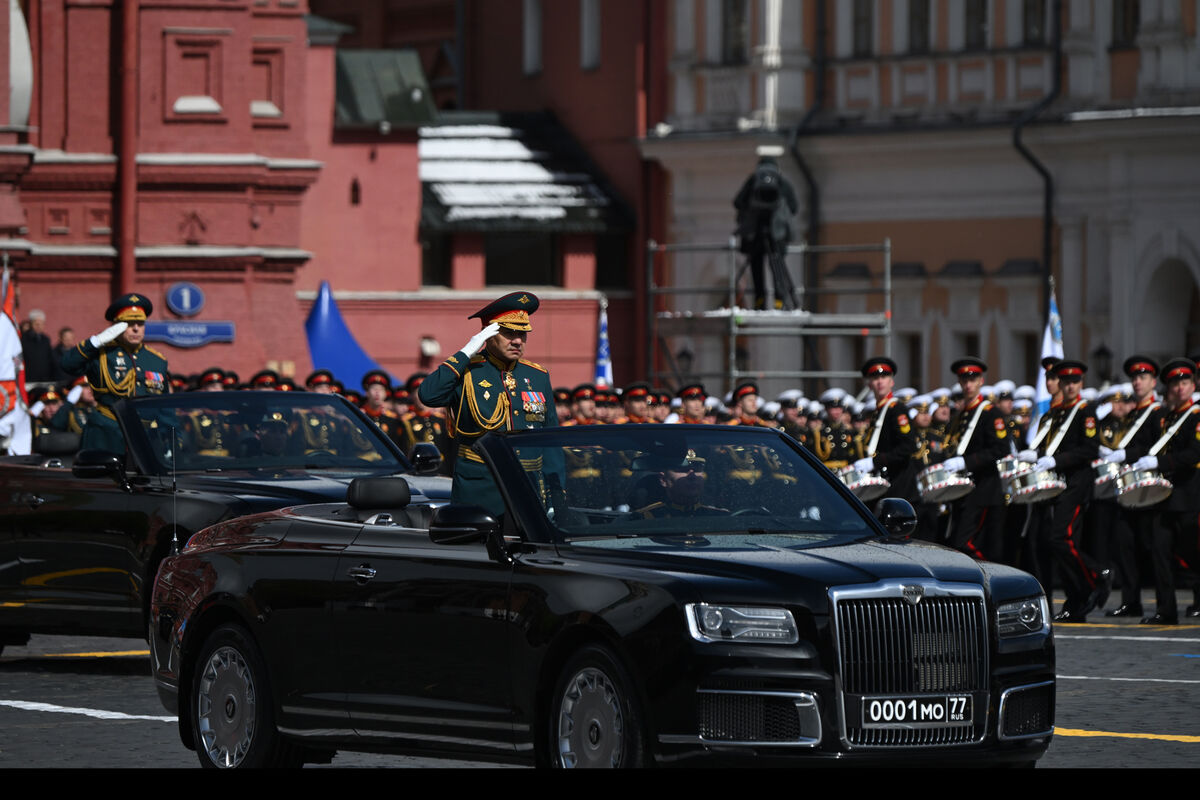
125, 388
499, 415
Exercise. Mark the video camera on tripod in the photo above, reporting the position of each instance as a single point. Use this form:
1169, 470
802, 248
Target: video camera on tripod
766, 204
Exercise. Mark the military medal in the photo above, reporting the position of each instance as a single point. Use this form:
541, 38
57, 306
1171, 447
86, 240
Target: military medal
510, 382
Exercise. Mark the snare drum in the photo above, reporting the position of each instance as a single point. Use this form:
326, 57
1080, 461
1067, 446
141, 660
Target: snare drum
1106, 479
1030, 485
865, 485
936, 484
1008, 466
1139, 488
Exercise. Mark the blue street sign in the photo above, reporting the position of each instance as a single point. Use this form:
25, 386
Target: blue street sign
185, 299
189, 334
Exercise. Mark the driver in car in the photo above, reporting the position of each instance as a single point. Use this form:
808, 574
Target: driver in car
682, 479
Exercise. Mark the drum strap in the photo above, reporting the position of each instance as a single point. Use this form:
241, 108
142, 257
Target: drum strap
1043, 429
879, 417
1066, 426
1128, 437
966, 438
1166, 437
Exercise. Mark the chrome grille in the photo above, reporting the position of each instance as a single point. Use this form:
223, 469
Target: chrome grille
888, 646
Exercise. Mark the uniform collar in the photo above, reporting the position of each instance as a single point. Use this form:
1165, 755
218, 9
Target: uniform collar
503, 366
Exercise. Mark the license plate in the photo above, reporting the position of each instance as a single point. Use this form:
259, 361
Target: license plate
924, 711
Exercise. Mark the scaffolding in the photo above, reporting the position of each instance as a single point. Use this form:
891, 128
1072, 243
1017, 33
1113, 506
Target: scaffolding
728, 320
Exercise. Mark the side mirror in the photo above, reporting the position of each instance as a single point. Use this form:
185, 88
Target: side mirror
897, 517
426, 458
90, 464
462, 525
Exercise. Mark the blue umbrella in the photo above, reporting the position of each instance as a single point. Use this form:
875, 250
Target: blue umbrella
331, 344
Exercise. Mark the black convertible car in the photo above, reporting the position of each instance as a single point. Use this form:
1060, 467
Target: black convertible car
649, 593
82, 534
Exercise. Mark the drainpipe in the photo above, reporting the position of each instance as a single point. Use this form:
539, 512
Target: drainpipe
1047, 179
812, 234
127, 152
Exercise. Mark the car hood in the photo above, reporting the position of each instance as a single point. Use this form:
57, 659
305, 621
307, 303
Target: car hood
787, 567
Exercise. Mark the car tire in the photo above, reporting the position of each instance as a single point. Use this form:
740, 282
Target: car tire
233, 724
595, 718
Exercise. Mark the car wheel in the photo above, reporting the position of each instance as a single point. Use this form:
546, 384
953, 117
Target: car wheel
232, 721
595, 720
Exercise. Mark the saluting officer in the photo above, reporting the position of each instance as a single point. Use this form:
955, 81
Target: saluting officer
493, 390
117, 364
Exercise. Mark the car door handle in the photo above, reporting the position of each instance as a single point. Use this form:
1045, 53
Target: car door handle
361, 574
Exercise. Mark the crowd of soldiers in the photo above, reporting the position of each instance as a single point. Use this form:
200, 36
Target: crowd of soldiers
1022, 496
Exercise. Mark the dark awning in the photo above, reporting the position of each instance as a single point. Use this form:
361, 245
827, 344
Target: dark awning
500, 172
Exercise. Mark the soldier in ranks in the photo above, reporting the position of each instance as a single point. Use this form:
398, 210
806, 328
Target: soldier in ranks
78, 408
835, 444
795, 419
211, 380
45, 405
583, 406
976, 439
745, 406
1103, 512
117, 364
1067, 444
636, 402
264, 380
232, 381
401, 400
931, 517
496, 389
691, 404
661, 408
178, 383
940, 416
319, 431
888, 440
209, 431
424, 424
1172, 447
562, 404
378, 386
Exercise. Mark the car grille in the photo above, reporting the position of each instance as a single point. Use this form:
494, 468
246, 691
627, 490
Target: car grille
888, 646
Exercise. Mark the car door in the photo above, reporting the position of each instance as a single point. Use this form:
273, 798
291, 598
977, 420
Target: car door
422, 632
76, 542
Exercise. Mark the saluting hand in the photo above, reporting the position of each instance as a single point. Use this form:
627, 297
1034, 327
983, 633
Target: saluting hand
108, 334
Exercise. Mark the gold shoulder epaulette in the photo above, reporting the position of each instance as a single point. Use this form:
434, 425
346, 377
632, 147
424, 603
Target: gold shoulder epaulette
152, 350
535, 366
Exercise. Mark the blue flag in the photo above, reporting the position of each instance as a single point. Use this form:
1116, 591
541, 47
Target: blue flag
604, 376
1052, 345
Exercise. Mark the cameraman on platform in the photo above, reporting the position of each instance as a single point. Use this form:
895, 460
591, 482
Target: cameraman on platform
765, 205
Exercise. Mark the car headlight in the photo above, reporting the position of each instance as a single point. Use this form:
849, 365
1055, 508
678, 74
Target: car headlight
710, 623
1023, 617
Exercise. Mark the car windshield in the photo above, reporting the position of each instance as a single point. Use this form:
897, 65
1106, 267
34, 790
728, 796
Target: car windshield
260, 430
667, 480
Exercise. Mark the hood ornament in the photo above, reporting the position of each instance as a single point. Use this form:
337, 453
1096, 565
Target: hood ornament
912, 594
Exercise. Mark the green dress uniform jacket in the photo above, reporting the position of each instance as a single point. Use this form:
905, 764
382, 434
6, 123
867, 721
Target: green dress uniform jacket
484, 394
114, 372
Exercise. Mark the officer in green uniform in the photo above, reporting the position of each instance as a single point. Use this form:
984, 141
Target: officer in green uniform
117, 365
488, 385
